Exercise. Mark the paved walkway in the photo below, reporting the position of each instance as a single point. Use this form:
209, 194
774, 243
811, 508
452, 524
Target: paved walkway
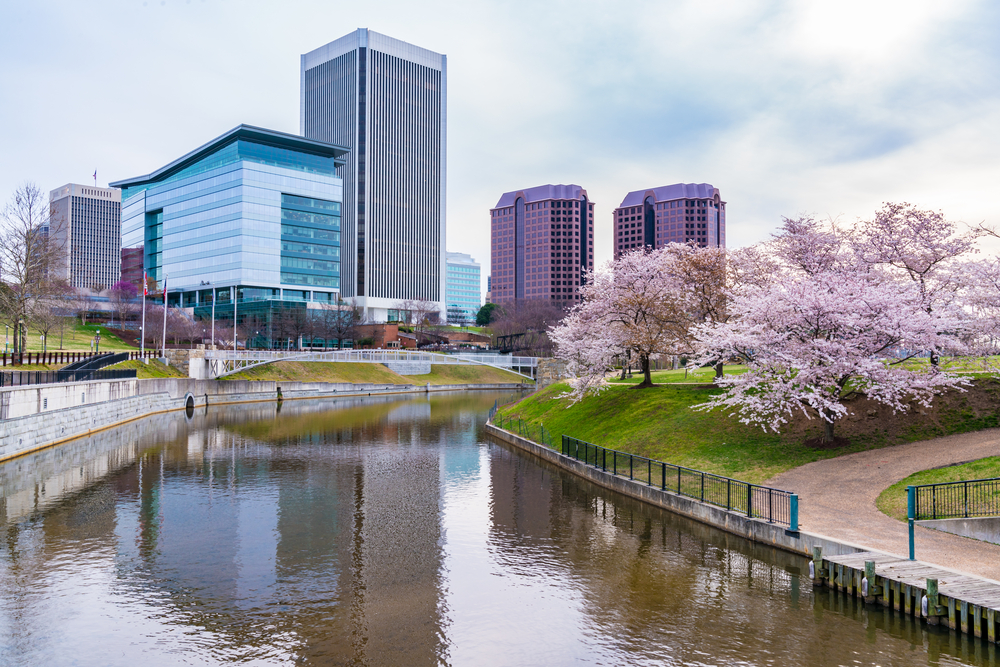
837, 499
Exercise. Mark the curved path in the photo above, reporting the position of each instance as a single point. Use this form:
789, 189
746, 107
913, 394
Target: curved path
837, 499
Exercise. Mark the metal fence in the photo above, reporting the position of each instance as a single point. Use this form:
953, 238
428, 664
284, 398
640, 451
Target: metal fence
956, 500
755, 501
21, 378
85, 370
524, 429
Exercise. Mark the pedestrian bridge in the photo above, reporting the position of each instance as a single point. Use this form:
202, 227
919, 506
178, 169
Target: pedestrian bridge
220, 363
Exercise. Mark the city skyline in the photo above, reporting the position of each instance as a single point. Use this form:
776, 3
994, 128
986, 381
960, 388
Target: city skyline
833, 118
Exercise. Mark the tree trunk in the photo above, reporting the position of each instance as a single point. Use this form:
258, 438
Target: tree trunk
647, 377
828, 427
718, 370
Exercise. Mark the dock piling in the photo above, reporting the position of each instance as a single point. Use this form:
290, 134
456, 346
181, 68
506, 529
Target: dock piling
933, 602
817, 566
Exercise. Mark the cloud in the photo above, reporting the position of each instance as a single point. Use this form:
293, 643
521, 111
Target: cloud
787, 107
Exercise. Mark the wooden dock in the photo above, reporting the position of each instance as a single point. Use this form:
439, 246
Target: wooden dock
961, 601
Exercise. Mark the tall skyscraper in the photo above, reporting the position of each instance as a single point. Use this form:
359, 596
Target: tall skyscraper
462, 293
86, 221
670, 214
542, 243
385, 100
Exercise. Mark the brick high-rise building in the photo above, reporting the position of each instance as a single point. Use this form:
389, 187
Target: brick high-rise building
542, 244
670, 214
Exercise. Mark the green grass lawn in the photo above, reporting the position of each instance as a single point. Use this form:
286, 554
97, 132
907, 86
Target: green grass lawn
75, 337
892, 501
144, 371
318, 371
658, 422
698, 375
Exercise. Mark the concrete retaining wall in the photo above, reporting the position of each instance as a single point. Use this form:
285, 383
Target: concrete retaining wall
44, 415
409, 367
755, 530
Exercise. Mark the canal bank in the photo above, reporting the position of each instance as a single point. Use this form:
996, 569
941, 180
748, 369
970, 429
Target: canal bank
40, 416
969, 603
390, 530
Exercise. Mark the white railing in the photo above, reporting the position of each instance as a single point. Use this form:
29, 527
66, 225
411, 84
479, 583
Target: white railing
226, 362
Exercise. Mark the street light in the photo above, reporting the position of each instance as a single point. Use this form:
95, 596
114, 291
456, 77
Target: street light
98, 339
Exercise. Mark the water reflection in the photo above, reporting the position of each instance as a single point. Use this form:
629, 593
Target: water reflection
384, 530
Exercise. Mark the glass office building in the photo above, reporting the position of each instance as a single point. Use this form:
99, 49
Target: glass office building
384, 99
252, 215
462, 288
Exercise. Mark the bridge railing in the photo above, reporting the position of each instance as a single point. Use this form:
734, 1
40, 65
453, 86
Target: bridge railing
372, 356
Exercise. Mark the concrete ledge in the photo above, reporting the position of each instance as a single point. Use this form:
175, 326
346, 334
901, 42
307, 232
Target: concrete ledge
755, 530
984, 529
42, 424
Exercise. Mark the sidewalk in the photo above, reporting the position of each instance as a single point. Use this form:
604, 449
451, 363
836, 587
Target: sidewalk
837, 499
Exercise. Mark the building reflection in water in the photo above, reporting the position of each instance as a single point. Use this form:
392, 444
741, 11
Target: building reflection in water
384, 531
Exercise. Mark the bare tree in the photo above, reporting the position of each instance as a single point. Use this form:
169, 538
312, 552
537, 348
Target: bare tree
122, 297
339, 322
28, 257
529, 320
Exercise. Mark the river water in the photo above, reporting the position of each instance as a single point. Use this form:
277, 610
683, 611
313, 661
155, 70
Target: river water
388, 531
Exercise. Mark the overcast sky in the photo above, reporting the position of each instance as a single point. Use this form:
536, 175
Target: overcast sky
827, 108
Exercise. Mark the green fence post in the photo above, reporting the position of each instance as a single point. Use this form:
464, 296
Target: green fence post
793, 511
911, 508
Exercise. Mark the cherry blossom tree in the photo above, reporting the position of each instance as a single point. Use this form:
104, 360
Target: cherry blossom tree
834, 319
634, 305
813, 342
923, 247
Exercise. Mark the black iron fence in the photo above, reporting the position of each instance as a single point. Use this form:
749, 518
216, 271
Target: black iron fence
755, 501
85, 370
524, 429
21, 378
958, 500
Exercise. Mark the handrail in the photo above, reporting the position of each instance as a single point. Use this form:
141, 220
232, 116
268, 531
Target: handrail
958, 500
752, 500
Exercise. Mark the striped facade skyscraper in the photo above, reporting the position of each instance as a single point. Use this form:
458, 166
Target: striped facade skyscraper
542, 244
670, 214
385, 100
86, 222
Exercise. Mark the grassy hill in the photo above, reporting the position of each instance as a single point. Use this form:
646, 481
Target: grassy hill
659, 422
318, 371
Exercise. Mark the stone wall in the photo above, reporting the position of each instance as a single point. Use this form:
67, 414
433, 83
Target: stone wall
409, 367
45, 415
550, 371
755, 530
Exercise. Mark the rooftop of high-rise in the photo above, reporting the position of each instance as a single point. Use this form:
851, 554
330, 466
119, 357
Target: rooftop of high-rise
671, 192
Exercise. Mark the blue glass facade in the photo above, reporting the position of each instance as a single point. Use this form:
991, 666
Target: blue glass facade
462, 288
254, 208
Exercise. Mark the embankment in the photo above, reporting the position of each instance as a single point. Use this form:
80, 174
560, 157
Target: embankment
39, 416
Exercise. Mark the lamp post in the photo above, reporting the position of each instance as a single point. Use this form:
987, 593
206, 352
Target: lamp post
6, 337
98, 339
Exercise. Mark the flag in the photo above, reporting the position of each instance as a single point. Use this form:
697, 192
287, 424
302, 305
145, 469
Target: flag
145, 284
164, 290
95, 178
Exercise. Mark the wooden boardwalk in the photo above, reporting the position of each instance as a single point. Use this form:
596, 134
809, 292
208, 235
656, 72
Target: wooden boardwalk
965, 602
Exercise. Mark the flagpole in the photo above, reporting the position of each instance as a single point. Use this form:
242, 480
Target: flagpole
164, 316
142, 330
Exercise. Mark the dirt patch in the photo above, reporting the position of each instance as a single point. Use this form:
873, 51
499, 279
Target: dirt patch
820, 443
870, 422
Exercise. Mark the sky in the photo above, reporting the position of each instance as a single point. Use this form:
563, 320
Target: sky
789, 108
